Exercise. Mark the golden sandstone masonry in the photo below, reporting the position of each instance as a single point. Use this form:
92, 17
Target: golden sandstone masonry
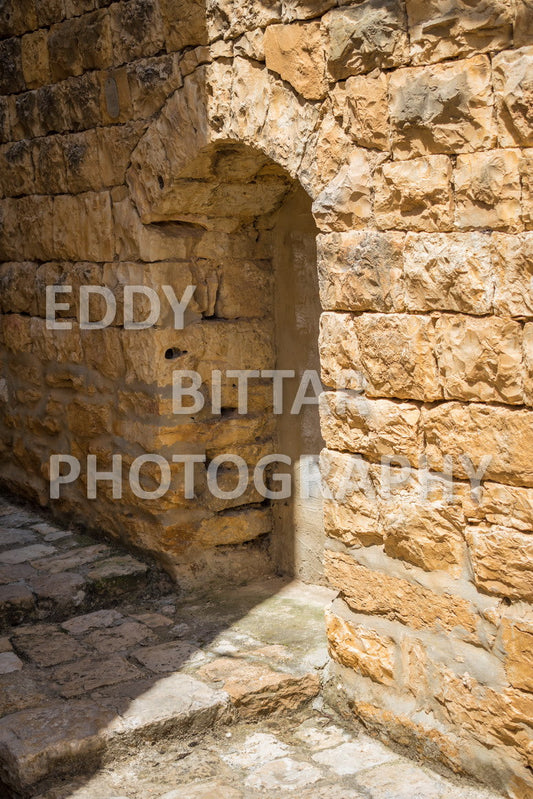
161, 143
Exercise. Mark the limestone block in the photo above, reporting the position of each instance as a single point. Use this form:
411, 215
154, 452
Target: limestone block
297, 53
526, 178
513, 266
11, 75
448, 271
327, 152
346, 202
17, 17
184, 23
429, 535
517, 640
17, 287
480, 359
362, 37
80, 156
439, 29
35, 59
305, 9
510, 506
365, 110
373, 428
151, 81
56, 346
16, 169
360, 648
360, 271
487, 191
446, 108
523, 23
231, 18
528, 362
504, 434
377, 593
20, 215
351, 510
513, 89
16, 333
415, 195
136, 30
79, 44
233, 527
83, 227
392, 355
501, 558
250, 45
50, 167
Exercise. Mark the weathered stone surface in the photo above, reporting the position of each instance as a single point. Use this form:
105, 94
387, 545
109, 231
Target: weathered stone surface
513, 258
513, 76
296, 52
363, 108
86, 674
415, 195
377, 593
449, 272
372, 427
386, 355
442, 109
429, 535
184, 23
501, 559
522, 23
480, 359
346, 202
364, 37
517, 639
440, 30
35, 59
361, 271
479, 431
487, 191
362, 649
256, 689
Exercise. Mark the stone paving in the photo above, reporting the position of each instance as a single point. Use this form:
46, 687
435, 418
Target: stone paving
112, 680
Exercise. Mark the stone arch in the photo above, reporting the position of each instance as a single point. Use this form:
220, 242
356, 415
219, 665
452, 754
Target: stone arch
259, 310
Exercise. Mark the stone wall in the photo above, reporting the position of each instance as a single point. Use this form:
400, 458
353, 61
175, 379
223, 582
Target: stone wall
155, 142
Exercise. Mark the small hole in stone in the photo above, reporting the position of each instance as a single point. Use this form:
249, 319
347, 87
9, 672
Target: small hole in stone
506, 601
174, 352
161, 182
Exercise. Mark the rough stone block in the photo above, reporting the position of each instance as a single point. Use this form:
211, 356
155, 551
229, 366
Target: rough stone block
83, 227
446, 108
16, 169
184, 23
368, 426
377, 593
513, 266
487, 191
361, 271
501, 558
11, 75
137, 30
526, 178
365, 110
35, 59
360, 648
365, 36
440, 29
480, 359
517, 640
346, 202
390, 355
427, 534
448, 272
46, 646
503, 434
415, 195
297, 53
523, 23
513, 89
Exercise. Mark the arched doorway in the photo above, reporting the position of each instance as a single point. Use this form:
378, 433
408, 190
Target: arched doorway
253, 261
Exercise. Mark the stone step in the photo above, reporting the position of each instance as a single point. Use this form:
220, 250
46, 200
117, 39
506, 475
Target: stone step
47, 573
